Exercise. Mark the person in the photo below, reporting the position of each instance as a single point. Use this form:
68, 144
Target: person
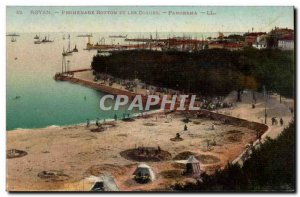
253, 106
97, 122
87, 122
185, 127
273, 120
158, 149
281, 121
116, 117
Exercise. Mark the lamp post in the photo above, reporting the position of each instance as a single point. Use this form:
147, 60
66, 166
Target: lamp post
265, 97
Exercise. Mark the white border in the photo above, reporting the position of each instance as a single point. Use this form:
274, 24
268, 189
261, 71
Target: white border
4, 3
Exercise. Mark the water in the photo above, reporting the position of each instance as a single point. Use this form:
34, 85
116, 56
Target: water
43, 101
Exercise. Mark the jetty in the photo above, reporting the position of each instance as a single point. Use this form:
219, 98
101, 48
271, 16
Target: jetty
68, 75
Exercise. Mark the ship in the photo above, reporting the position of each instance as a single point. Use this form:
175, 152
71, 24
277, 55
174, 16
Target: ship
68, 51
13, 34
117, 36
37, 41
46, 40
13, 39
75, 49
85, 35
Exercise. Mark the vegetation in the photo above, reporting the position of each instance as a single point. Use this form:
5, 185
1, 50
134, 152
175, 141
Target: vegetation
207, 72
235, 38
270, 168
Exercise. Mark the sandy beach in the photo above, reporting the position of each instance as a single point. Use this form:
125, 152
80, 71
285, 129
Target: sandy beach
77, 152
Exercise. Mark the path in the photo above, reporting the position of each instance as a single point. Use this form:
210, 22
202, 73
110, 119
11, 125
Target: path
274, 109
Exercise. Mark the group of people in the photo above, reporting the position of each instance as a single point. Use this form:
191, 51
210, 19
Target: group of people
148, 152
213, 103
275, 121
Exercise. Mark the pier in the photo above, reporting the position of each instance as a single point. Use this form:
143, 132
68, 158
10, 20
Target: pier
69, 76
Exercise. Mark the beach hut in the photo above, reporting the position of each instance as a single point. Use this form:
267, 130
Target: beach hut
103, 182
192, 166
143, 173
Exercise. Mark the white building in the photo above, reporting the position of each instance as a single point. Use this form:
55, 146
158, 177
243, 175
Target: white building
286, 44
261, 42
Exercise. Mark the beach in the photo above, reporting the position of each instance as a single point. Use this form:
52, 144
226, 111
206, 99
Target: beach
78, 152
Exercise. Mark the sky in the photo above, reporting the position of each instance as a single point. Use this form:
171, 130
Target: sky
136, 19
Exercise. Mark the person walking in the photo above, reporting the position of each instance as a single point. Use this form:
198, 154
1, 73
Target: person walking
281, 121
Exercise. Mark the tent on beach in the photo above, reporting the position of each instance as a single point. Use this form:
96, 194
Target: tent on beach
192, 165
144, 173
103, 182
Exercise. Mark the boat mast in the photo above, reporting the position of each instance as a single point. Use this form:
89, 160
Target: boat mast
69, 44
68, 65
62, 65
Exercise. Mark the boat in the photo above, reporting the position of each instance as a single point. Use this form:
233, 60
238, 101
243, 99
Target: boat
36, 37
46, 40
75, 49
117, 36
13, 39
85, 35
37, 41
68, 51
13, 34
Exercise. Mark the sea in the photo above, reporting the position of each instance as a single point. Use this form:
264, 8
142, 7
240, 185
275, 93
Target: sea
35, 100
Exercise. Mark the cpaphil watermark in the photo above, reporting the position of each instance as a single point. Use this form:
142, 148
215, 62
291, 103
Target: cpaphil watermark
181, 102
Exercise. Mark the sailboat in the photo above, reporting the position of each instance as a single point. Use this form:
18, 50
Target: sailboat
13, 39
46, 40
75, 49
68, 51
38, 41
36, 37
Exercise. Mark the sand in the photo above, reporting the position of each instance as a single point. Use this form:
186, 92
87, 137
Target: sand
75, 149
77, 153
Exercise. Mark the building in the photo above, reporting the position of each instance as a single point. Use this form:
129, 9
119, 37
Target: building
215, 45
261, 42
284, 35
232, 46
286, 44
251, 38
281, 32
